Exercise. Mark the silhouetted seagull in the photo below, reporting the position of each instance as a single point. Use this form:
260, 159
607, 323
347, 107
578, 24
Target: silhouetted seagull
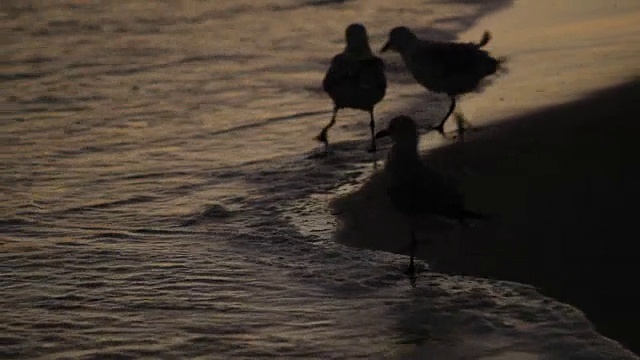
355, 79
414, 187
443, 67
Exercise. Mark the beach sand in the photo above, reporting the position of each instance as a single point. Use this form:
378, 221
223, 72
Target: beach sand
554, 166
555, 53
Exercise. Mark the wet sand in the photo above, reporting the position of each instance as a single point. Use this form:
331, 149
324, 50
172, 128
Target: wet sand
561, 187
554, 166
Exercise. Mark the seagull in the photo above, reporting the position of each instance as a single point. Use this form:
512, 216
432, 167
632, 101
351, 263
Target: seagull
414, 187
443, 67
355, 80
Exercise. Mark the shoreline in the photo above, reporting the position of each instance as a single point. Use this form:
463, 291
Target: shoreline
560, 184
557, 185
553, 165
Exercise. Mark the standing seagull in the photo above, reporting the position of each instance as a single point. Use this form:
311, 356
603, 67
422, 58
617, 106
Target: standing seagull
415, 188
354, 80
444, 67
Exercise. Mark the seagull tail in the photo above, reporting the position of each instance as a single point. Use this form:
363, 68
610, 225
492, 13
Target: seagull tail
486, 37
501, 64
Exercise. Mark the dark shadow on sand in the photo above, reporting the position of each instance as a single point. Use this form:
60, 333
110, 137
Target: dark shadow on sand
561, 187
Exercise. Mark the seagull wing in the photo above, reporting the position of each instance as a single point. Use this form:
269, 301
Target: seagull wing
365, 73
342, 70
371, 74
421, 189
450, 58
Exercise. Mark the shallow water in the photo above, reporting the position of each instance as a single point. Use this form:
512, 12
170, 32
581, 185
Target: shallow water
160, 196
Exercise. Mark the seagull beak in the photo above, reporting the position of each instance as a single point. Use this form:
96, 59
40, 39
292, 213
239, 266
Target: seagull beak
385, 47
382, 133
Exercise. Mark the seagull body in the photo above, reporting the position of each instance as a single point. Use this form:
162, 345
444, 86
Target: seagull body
443, 67
415, 188
355, 79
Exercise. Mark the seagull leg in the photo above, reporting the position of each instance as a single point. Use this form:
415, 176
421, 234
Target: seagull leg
411, 271
372, 126
322, 137
461, 126
440, 126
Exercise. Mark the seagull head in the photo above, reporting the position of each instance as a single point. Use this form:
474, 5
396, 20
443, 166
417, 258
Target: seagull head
357, 40
400, 38
402, 130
